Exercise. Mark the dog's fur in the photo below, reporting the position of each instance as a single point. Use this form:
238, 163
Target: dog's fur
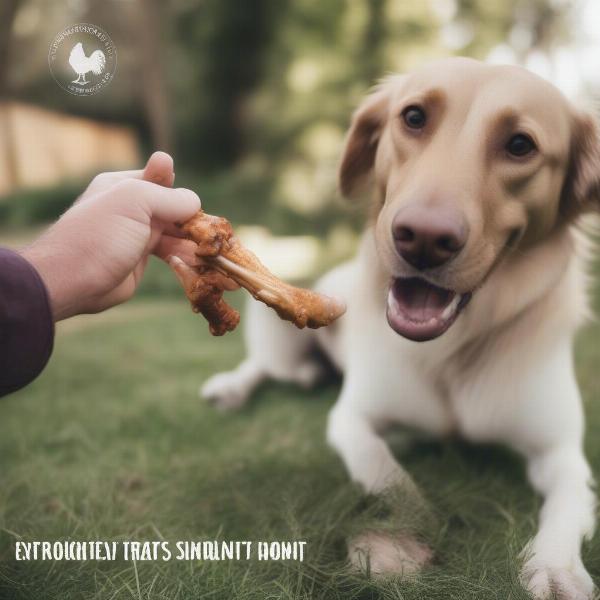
503, 372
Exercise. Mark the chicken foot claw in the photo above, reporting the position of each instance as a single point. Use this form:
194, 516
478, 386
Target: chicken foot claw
203, 287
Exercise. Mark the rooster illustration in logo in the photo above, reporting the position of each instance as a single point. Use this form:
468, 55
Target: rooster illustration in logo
83, 64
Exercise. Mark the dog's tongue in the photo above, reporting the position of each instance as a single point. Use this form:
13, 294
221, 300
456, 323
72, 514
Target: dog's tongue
419, 300
420, 311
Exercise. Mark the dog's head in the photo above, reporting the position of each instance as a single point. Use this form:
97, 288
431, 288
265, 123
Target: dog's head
469, 161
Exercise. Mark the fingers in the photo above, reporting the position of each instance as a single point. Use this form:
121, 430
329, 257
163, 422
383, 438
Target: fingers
158, 169
185, 250
104, 181
160, 203
174, 246
186, 275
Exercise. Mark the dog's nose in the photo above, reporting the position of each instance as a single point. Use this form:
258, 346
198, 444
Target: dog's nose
428, 237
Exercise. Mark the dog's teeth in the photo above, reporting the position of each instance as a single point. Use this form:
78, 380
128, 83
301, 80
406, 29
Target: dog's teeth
451, 308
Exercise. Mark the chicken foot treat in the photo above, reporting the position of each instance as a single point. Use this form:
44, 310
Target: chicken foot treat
204, 288
224, 260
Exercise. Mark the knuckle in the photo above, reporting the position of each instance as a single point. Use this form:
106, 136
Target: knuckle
101, 179
128, 185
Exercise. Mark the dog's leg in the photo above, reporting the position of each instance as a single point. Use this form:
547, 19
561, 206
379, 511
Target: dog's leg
231, 389
370, 463
543, 419
276, 349
365, 454
553, 564
540, 416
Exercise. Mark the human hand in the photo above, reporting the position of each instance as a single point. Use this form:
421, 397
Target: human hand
94, 256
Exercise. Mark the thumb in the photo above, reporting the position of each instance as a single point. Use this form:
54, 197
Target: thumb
162, 203
175, 206
159, 169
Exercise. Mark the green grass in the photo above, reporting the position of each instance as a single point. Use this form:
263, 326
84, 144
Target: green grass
112, 443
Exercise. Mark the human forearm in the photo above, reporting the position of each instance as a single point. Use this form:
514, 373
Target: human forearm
65, 295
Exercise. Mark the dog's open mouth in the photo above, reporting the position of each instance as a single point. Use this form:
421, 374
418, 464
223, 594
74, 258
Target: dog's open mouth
421, 311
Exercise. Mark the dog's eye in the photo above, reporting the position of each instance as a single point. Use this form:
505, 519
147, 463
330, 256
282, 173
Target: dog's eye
520, 145
414, 117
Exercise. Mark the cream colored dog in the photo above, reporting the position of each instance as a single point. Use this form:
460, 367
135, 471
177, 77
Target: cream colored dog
481, 173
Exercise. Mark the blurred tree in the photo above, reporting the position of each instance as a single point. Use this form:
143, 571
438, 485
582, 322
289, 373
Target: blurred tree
153, 91
229, 42
524, 24
374, 36
8, 14
259, 92
539, 26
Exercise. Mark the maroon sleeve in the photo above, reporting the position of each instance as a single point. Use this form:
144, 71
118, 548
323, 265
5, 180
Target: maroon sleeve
26, 325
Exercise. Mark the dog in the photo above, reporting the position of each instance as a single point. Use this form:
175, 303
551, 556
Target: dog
463, 299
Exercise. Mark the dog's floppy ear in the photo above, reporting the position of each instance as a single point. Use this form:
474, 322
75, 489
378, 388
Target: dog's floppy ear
581, 190
362, 139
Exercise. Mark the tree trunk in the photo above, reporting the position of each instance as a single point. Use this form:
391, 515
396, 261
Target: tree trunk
233, 53
8, 13
374, 36
154, 93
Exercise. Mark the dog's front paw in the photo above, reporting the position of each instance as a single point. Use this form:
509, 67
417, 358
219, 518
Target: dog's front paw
382, 553
544, 581
225, 391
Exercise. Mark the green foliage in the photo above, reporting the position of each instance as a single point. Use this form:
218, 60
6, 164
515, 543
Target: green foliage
259, 94
39, 205
250, 199
242, 198
228, 41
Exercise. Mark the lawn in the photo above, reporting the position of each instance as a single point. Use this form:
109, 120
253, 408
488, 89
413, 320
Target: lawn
113, 443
